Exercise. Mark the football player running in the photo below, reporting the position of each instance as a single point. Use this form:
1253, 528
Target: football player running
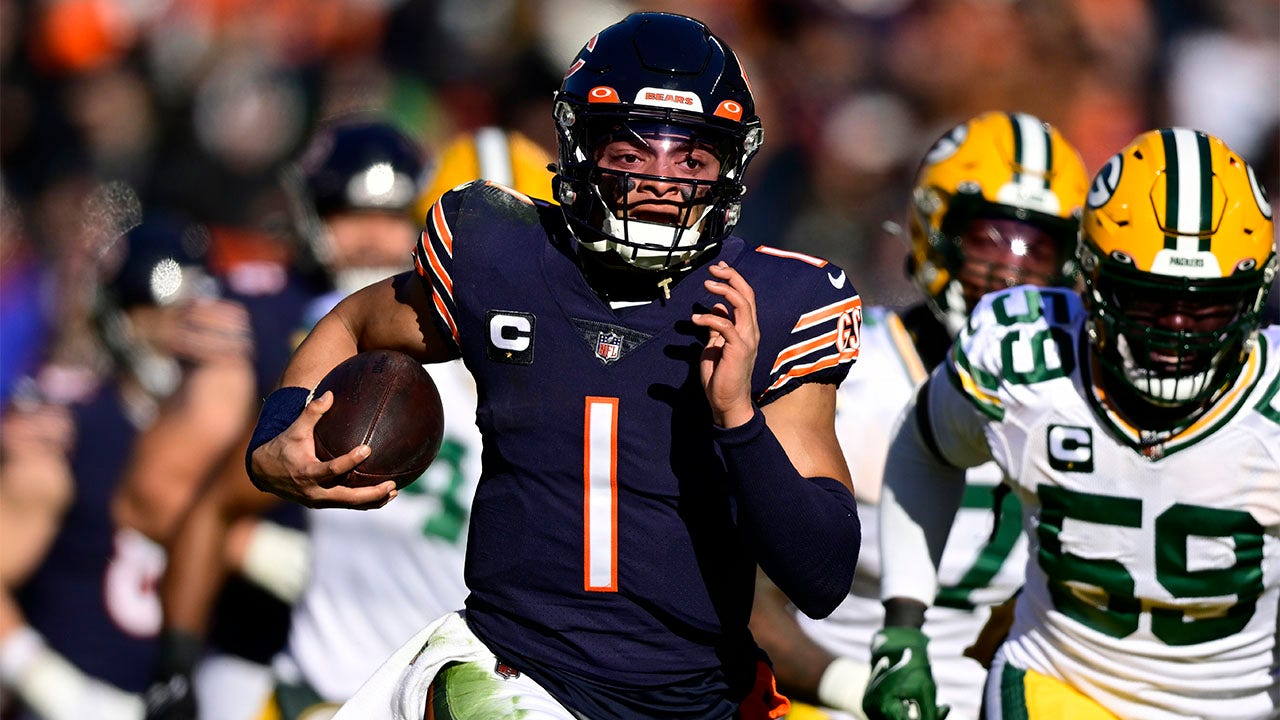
1140, 427
656, 400
353, 612
996, 203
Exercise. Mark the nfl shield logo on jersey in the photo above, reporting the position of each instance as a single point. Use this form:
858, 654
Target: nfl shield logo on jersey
609, 343
609, 346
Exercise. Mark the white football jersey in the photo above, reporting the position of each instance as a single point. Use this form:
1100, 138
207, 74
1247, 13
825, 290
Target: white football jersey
380, 576
1154, 576
979, 568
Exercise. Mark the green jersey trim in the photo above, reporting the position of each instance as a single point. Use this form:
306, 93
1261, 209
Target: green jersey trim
1266, 406
974, 383
1254, 370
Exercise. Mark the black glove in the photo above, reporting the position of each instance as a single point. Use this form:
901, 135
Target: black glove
172, 695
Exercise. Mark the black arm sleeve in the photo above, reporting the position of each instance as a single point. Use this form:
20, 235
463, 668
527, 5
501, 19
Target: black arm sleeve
805, 531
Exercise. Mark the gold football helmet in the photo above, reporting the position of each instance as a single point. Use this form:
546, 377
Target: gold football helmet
1178, 253
506, 157
1010, 168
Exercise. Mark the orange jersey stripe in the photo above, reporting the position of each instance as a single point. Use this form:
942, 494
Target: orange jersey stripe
822, 364
814, 261
830, 312
445, 314
438, 268
589, 492
442, 227
804, 348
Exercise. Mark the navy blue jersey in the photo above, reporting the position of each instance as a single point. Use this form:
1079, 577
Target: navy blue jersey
94, 597
602, 540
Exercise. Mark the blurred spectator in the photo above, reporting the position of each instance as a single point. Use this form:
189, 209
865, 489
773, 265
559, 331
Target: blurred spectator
79, 612
210, 97
1222, 75
24, 288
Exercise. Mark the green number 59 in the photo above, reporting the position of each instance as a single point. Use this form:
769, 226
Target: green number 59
1118, 613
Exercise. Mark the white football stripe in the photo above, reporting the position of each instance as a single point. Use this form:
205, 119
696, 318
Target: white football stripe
1035, 146
494, 156
1189, 176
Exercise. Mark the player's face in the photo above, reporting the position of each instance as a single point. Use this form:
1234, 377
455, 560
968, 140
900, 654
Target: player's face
655, 167
1002, 253
370, 239
1196, 322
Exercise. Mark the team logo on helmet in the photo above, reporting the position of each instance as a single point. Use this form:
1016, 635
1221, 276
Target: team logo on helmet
603, 93
947, 145
1259, 193
1105, 182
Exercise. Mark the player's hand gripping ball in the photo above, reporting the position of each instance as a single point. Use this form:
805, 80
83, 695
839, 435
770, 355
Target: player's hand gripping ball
386, 400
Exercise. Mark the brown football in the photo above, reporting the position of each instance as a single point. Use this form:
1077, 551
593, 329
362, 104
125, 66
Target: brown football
386, 400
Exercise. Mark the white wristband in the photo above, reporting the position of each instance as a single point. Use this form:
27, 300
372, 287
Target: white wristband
842, 685
16, 654
54, 688
278, 559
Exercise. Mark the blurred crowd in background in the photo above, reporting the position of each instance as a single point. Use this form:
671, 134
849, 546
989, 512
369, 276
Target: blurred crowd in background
109, 106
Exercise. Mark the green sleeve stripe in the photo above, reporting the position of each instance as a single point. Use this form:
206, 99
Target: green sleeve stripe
982, 378
991, 409
1266, 406
978, 386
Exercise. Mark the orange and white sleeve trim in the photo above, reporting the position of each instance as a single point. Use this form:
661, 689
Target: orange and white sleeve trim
824, 338
433, 260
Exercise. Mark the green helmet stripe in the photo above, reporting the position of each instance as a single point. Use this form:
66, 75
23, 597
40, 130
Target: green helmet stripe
1189, 189
1172, 186
1206, 188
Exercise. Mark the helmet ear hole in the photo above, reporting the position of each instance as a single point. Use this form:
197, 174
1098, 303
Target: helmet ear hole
567, 195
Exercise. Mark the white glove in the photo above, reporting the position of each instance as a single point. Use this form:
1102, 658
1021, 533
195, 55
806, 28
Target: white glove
842, 684
278, 559
55, 689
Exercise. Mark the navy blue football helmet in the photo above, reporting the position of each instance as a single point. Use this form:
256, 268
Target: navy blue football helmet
653, 74
367, 165
161, 260
157, 263
354, 165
